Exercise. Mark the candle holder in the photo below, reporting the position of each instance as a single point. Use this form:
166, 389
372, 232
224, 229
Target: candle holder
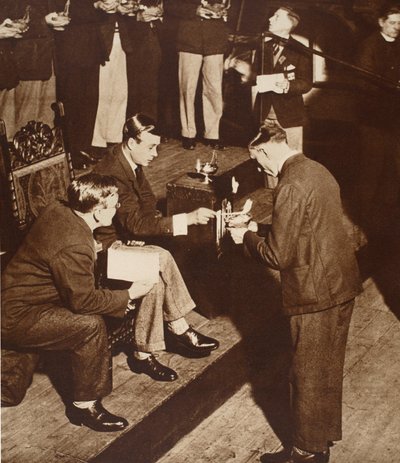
208, 168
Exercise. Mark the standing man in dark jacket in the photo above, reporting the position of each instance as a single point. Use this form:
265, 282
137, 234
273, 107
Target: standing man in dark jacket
281, 100
201, 43
308, 244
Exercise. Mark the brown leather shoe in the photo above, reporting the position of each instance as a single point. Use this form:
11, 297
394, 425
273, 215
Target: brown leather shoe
295, 457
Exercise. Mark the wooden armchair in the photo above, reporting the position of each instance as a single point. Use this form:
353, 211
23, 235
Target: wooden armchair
37, 170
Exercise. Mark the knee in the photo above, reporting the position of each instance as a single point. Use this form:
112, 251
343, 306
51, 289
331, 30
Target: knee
93, 325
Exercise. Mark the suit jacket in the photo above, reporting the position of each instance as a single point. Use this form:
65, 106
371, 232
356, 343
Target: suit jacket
289, 107
379, 104
8, 70
81, 43
307, 241
138, 216
55, 267
197, 35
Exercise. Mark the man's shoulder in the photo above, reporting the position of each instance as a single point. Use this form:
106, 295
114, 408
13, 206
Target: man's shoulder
110, 163
59, 227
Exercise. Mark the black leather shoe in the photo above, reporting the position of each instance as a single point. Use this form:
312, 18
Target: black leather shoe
96, 418
188, 143
214, 144
153, 368
295, 457
190, 344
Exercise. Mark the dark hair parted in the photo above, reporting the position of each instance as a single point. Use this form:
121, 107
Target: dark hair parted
269, 131
136, 125
89, 191
292, 14
388, 9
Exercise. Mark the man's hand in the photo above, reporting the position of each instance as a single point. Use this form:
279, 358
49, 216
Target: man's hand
9, 31
139, 289
204, 12
108, 6
151, 13
128, 7
242, 67
200, 216
282, 86
57, 21
237, 234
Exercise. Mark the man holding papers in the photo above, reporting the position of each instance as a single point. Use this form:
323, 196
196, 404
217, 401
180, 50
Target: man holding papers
281, 76
50, 302
138, 218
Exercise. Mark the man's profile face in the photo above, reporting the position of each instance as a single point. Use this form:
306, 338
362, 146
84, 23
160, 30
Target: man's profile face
144, 151
280, 22
391, 26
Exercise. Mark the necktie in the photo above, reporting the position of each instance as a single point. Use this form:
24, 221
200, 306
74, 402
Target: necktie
275, 48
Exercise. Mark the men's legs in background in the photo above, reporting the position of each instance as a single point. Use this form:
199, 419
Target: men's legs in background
213, 68
189, 70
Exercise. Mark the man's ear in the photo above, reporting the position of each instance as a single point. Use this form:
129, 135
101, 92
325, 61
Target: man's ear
96, 213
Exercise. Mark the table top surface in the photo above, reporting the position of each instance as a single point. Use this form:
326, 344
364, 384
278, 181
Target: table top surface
194, 180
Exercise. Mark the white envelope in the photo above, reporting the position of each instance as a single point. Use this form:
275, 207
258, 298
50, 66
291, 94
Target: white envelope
267, 82
133, 263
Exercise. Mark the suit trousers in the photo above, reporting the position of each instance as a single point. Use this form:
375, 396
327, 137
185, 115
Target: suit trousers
78, 89
319, 345
212, 66
113, 97
55, 328
169, 300
143, 66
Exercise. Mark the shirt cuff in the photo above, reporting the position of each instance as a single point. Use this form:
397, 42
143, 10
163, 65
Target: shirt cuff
179, 224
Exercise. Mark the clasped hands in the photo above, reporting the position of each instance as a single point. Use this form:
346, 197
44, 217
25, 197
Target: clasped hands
209, 13
237, 233
9, 30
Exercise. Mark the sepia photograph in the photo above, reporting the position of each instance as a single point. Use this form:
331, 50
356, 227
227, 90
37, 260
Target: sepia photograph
200, 231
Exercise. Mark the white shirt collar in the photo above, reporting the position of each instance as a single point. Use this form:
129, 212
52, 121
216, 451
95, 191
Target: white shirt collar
387, 38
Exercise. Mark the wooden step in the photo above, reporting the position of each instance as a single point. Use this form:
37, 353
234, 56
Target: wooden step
159, 413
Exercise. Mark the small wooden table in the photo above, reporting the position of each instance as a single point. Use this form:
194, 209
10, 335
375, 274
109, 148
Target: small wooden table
206, 273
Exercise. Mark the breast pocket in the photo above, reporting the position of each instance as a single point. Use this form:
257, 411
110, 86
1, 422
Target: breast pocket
298, 287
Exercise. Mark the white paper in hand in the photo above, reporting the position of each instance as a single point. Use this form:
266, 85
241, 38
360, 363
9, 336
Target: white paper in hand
247, 206
267, 82
130, 263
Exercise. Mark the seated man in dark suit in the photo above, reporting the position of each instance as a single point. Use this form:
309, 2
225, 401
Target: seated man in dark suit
137, 217
49, 299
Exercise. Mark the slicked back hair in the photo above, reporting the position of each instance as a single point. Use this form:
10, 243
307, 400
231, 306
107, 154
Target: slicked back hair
136, 125
89, 191
269, 131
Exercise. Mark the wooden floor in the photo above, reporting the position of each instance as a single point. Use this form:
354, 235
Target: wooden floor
249, 423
